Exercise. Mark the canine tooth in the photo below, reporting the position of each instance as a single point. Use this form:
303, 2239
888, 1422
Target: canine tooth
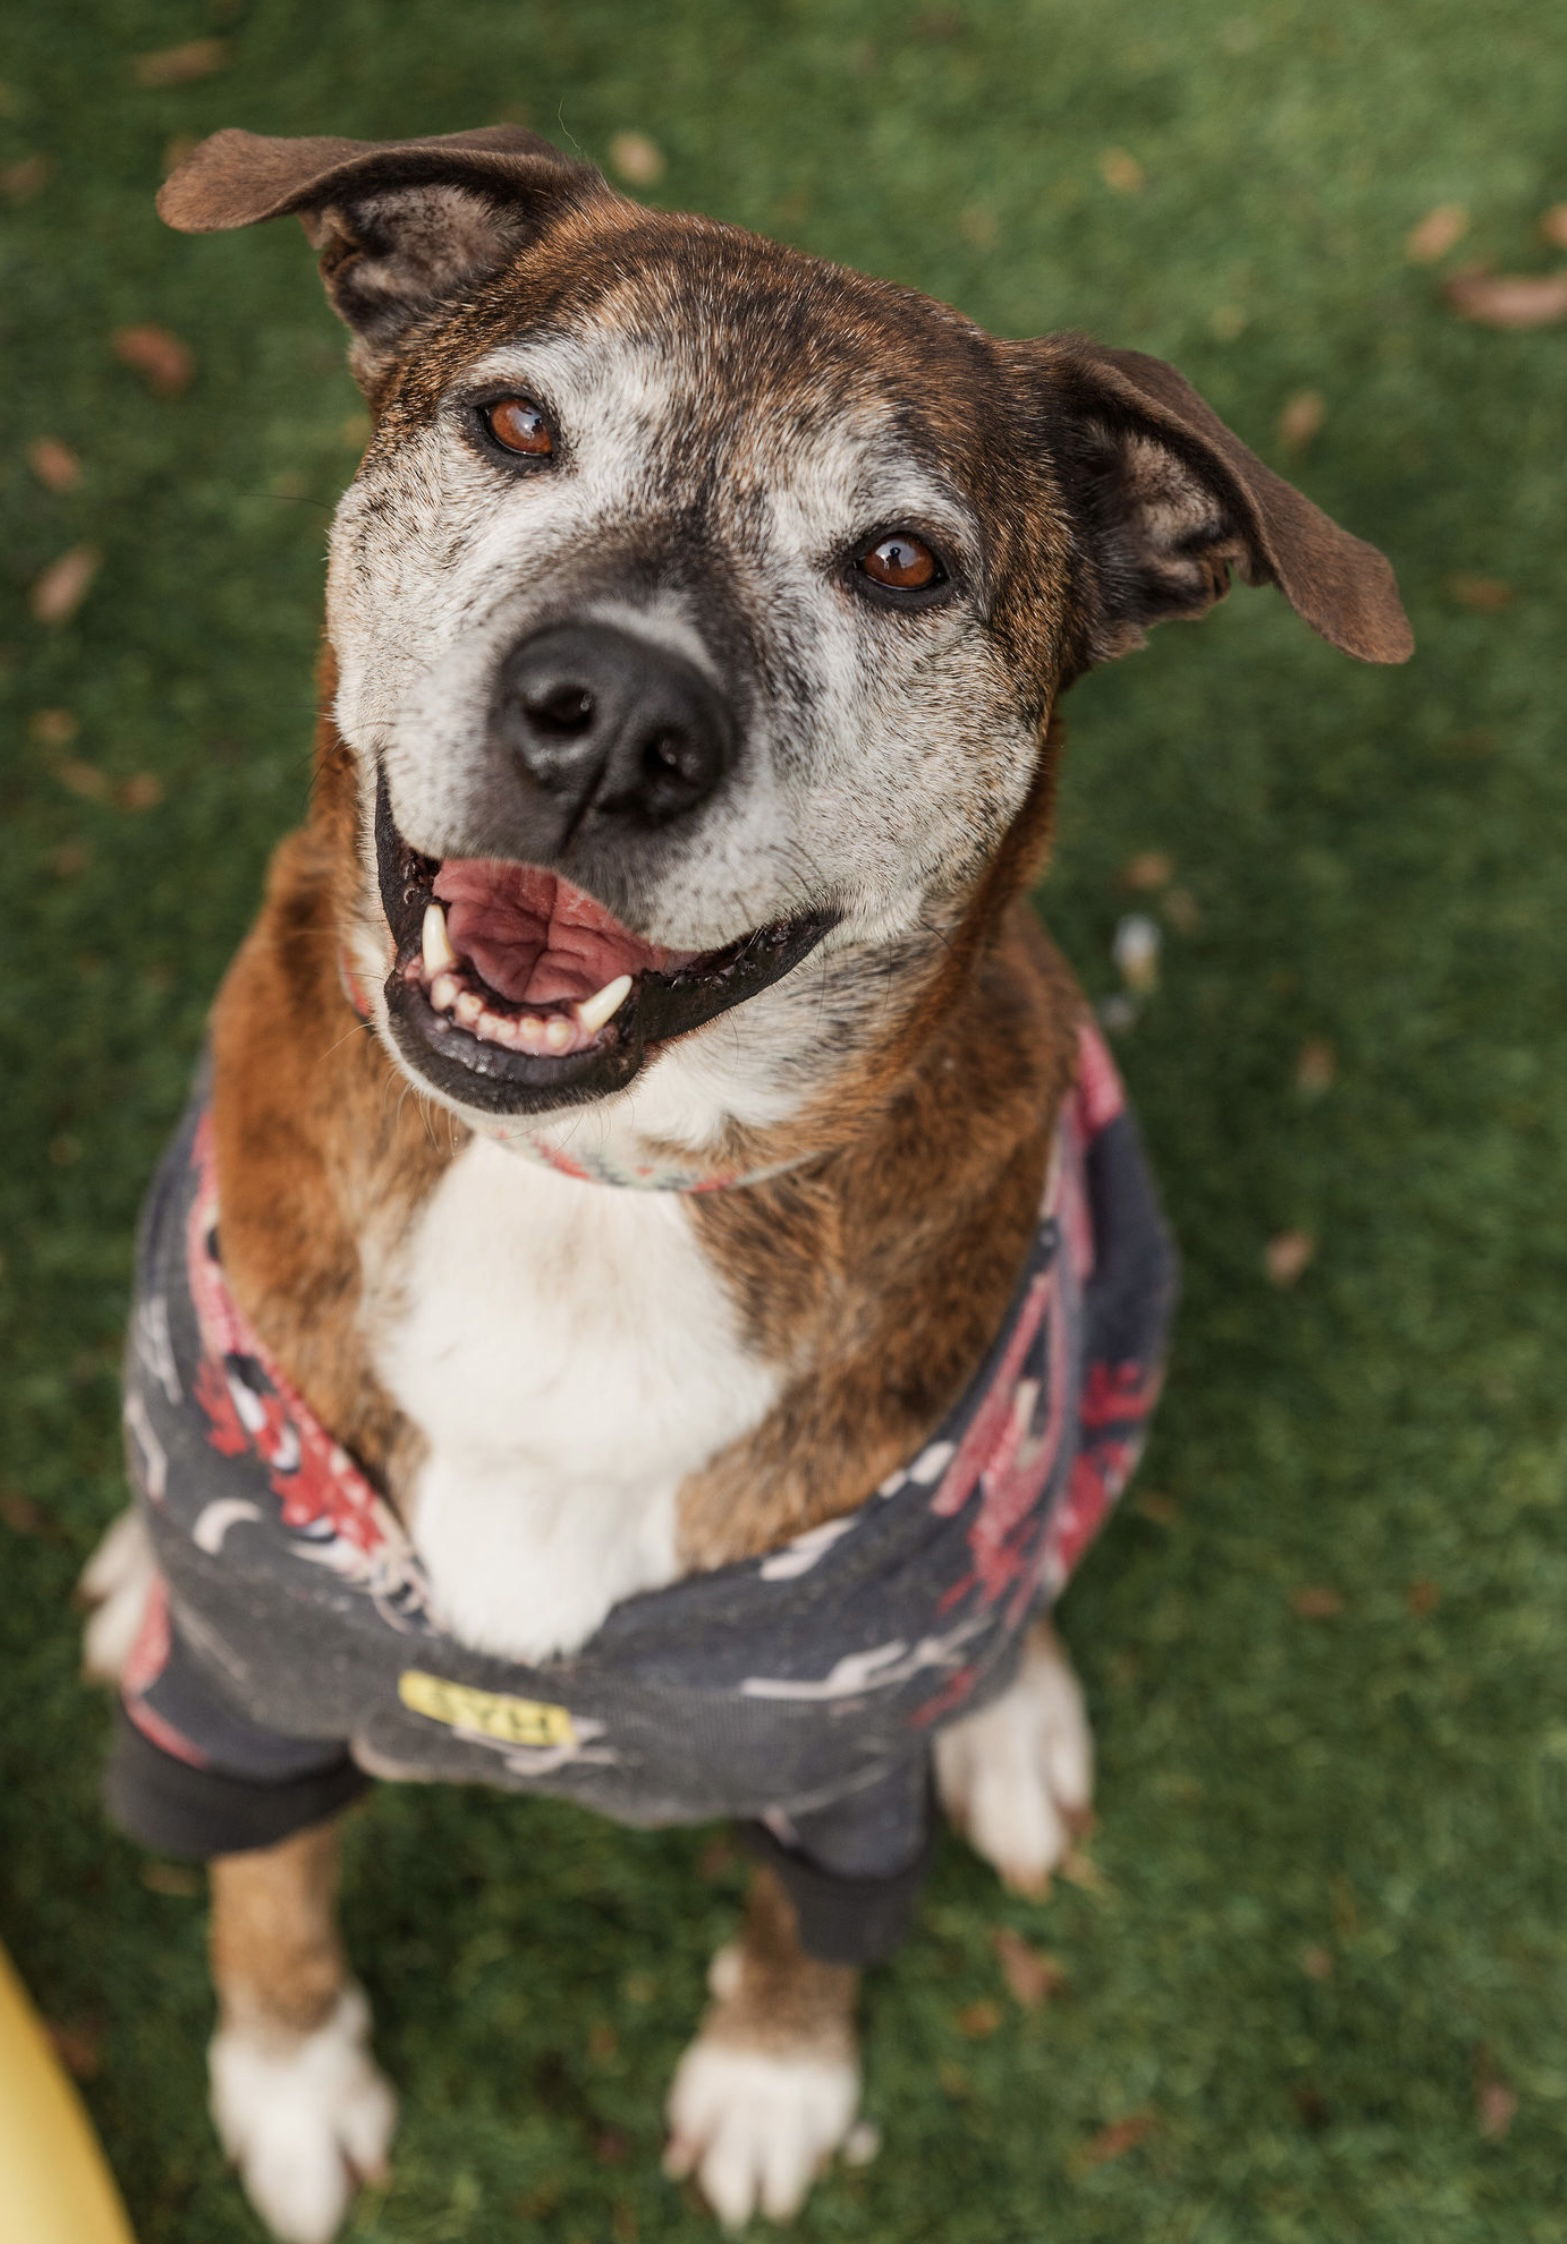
439, 957
468, 1008
558, 1033
594, 1011
443, 992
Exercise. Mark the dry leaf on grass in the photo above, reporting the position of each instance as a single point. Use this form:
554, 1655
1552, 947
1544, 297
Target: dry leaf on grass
1153, 1504
1509, 299
978, 2020
1553, 225
1315, 1067
1287, 1256
20, 181
19, 1514
78, 2044
1439, 231
1423, 1597
162, 360
60, 591
1301, 419
1317, 1963
55, 464
638, 160
83, 779
143, 791
1150, 868
182, 65
1114, 2141
1032, 1977
1484, 596
1496, 2103
1120, 170
53, 728
1182, 910
1316, 1602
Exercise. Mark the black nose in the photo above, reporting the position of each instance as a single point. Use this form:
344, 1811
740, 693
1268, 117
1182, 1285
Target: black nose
612, 724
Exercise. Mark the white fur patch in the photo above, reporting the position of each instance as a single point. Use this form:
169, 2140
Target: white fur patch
757, 2128
570, 1356
304, 2117
116, 1582
1012, 1776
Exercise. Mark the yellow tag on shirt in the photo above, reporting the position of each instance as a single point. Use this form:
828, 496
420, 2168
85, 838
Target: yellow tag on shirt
492, 1713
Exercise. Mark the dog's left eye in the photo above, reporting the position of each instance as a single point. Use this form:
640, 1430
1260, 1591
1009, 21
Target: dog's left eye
518, 425
901, 562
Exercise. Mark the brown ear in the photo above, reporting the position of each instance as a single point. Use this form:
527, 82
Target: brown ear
1169, 500
402, 226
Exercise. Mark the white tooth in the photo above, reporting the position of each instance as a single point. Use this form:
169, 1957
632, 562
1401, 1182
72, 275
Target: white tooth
468, 1008
558, 1033
594, 1011
443, 992
439, 957
530, 1030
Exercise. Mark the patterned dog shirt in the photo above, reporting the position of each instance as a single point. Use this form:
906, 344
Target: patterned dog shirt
292, 1646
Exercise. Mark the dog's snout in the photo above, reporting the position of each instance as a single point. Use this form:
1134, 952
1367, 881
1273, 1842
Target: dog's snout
612, 724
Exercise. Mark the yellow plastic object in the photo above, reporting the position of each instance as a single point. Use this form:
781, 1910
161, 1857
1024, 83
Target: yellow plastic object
54, 2184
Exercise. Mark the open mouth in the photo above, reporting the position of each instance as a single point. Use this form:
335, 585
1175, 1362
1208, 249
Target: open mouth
514, 991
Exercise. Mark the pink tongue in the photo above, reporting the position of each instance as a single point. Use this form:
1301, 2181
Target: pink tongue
535, 938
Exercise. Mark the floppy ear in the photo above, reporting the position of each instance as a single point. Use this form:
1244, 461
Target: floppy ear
1169, 500
402, 226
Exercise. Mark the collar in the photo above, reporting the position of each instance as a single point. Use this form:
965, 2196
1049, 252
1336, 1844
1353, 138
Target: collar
669, 1174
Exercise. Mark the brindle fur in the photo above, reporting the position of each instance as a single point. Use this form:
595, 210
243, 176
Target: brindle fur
1103, 496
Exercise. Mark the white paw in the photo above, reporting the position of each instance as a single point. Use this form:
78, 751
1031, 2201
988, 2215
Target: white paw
116, 1582
1014, 1777
305, 2118
756, 2128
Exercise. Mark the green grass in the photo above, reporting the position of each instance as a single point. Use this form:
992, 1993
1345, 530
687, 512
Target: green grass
1373, 859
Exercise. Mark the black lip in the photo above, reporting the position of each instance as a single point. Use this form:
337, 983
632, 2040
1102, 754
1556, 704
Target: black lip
660, 1007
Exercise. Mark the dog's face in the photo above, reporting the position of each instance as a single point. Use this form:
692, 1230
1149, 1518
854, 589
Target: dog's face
700, 607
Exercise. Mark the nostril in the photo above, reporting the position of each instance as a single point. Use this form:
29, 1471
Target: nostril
562, 711
667, 752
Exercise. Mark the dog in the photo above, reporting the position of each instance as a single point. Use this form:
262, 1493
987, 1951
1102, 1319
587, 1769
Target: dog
657, 1283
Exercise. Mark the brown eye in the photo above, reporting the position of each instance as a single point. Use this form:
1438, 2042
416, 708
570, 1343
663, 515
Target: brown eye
519, 425
902, 562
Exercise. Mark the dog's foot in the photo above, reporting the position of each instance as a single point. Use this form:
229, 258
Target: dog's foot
1016, 1777
116, 1583
305, 2117
756, 2125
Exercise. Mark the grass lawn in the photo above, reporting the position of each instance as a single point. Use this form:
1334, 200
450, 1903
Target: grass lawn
1315, 1991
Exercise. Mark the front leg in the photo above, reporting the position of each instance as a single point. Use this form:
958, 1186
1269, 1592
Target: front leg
771, 2085
298, 2101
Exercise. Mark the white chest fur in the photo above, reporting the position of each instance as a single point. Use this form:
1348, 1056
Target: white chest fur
570, 1356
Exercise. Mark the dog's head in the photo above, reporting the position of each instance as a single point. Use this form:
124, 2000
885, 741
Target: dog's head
699, 606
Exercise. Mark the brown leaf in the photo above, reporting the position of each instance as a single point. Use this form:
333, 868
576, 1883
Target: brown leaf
603, 2041
1553, 225
69, 861
1181, 908
1115, 2140
1317, 1963
1120, 170
1288, 1255
19, 1513
1423, 1597
162, 360
142, 791
1485, 596
60, 591
53, 728
1163, 1510
83, 779
19, 182
1439, 231
638, 160
1150, 868
1312, 2106
182, 65
55, 464
1302, 417
78, 2044
1316, 1602
1496, 2104
1509, 299
1315, 1067
978, 2020
1032, 1977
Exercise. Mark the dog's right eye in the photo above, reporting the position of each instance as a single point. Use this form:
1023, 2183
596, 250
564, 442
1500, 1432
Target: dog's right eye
518, 425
